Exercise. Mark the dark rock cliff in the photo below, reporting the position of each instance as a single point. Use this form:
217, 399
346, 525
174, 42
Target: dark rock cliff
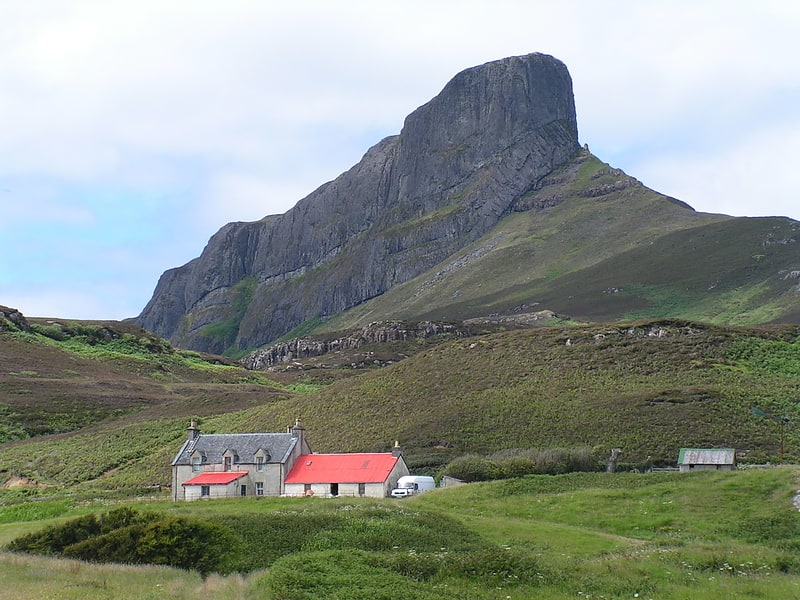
459, 164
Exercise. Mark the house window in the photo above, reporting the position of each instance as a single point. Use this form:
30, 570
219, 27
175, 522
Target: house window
243, 490
259, 463
362, 489
196, 461
259, 488
205, 491
306, 487
227, 463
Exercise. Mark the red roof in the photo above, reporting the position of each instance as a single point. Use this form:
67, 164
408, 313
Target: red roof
342, 468
215, 478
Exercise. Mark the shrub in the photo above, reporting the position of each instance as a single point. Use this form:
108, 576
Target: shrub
516, 466
54, 332
178, 542
127, 536
118, 546
473, 468
338, 574
518, 463
53, 540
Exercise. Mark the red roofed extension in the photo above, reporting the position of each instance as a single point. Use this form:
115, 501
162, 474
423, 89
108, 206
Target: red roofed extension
342, 468
215, 478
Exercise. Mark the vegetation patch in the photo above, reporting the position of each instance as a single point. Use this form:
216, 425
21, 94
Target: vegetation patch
127, 536
699, 535
517, 463
241, 295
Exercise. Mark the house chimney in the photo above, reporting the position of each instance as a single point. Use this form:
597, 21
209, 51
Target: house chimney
192, 432
397, 450
300, 433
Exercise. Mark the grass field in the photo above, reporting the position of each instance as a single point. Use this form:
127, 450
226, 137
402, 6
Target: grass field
705, 535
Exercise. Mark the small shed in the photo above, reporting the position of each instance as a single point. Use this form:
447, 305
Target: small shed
706, 459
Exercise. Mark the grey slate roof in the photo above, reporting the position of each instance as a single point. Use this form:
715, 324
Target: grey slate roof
244, 445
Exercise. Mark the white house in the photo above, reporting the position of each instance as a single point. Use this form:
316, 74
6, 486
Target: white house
225, 465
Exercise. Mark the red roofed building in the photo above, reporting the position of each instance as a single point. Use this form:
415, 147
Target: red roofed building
358, 474
213, 484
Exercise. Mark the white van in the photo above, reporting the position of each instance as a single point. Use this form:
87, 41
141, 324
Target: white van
408, 485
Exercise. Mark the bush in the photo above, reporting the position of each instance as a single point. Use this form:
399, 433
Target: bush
54, 332
516, 466
473, 468
53, 540
178, 542
127, 536
118, 546
518, 463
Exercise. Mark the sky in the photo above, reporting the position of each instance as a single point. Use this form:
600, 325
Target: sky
130, 132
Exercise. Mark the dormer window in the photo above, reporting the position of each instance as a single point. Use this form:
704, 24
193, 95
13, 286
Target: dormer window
197, 460
261, 457
227, 462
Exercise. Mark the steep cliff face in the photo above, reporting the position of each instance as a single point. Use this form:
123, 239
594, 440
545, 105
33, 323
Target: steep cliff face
459, 164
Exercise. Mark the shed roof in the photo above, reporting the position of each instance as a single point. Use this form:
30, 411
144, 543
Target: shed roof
342, 468
215, 478
244, 445
706, 456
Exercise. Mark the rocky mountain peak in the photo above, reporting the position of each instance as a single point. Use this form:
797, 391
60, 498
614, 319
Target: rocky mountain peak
459, 164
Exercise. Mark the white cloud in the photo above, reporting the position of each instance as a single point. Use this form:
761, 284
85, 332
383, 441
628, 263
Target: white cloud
755, 177
129, 119
100, 302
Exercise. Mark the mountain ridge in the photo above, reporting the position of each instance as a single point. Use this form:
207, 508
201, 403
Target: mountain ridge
484, 203
413, 200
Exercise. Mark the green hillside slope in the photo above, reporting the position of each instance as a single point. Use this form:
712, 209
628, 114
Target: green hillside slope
648, 388
65, 376
596, 245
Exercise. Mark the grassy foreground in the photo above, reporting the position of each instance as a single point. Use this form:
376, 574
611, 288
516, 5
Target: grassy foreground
662, 535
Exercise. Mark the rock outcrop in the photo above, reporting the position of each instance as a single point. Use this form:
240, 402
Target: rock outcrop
459, 164
13, 320
374, 333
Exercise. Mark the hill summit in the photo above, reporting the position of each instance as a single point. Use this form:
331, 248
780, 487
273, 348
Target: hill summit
483, 207
459, 164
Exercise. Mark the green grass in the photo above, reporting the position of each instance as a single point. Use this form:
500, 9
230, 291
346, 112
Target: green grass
700, 535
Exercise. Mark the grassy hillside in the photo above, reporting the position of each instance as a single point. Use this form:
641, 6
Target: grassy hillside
648, 388
596, 245
664, 535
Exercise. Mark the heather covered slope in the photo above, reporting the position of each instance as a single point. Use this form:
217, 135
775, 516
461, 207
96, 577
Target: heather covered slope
648, 388
59, 377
